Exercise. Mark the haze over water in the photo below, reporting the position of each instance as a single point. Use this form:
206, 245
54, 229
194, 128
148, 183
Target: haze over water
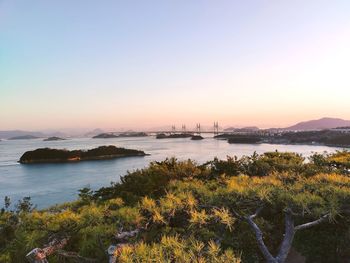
48, 184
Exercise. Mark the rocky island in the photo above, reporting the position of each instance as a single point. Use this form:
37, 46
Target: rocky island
242, 139
54, 138
133, 134
105, 136
173, 136
48, 155
24, 137
196, 138
121, 135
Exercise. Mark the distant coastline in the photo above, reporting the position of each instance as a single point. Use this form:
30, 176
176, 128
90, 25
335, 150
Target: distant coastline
332, 138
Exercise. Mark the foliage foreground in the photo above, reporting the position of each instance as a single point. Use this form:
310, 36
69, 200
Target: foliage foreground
249, 209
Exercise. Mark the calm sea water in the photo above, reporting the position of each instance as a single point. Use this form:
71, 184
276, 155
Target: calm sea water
48, 184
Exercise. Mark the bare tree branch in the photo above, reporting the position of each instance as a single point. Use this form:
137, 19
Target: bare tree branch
261, 243
288, 237
313, 223
257, 212
259, 236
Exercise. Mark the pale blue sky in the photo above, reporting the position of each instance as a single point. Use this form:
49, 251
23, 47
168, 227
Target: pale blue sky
134, 64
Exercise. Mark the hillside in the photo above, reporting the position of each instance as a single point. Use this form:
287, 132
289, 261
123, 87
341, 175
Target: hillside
19, 133
24, 137
9, 134
324, 123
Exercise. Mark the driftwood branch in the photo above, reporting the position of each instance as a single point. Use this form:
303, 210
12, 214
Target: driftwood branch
122, 240
39, 255
124, 236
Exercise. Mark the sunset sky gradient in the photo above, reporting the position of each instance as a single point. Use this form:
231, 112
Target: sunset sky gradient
143, 64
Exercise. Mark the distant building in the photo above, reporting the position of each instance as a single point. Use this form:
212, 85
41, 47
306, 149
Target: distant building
342, 129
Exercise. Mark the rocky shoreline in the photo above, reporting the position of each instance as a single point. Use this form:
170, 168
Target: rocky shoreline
325, 137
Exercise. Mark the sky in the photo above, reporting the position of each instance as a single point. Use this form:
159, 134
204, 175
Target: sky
143, 64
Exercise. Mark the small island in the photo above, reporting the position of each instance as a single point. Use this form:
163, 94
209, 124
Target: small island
23, 137
54, 138
241, 139
173, 136
105, 136
48, 155
133, 134
121, 135
196, 138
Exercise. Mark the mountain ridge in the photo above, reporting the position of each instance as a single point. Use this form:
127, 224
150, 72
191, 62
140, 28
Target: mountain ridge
319, 124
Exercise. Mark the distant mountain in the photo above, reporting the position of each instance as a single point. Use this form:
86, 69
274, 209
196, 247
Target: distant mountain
94, 133
54, 133
229, 129
19, 133
324, 123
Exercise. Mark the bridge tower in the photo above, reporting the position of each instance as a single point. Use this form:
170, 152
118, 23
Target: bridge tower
173, 129
198, 128
183, 128
216, 128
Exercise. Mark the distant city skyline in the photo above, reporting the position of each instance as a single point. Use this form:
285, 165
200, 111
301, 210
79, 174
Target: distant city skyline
144, 64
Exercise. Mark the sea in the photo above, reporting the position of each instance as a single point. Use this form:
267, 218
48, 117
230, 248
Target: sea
49, 184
